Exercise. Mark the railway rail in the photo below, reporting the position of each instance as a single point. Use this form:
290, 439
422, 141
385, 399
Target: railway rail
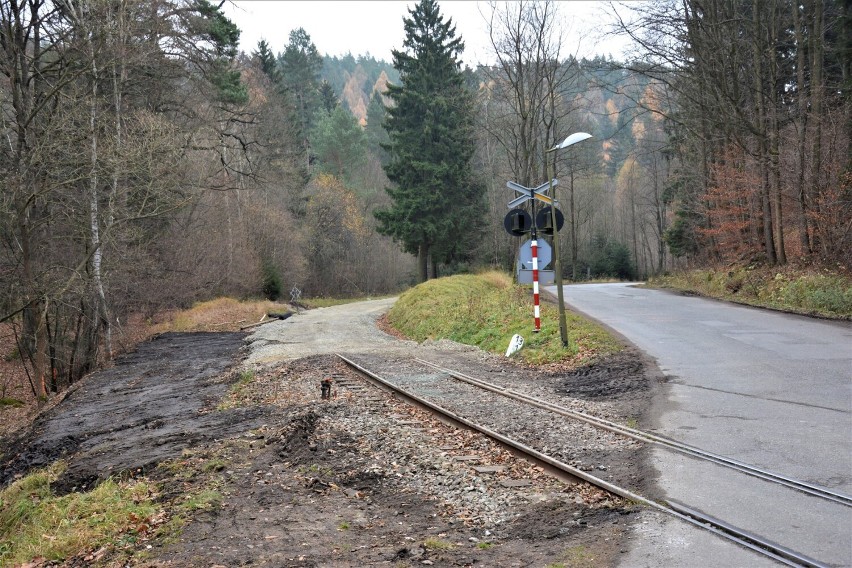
566, 471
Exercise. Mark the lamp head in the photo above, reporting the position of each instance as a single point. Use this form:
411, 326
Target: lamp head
572, 139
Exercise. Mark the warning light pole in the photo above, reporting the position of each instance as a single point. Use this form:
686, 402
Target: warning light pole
534, 235
533, 194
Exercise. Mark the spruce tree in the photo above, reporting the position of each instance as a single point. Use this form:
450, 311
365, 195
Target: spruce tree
338, 142
328, 100
301, 64
267, 61
436, 200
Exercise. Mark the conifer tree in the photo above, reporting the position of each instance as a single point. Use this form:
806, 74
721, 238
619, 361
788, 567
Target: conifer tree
328, 99
267, 61
436, 199
338, 142
301, 64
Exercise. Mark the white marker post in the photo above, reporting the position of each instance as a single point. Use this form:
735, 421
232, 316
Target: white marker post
536, 312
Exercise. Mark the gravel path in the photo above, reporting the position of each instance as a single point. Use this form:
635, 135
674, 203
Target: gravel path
344, 328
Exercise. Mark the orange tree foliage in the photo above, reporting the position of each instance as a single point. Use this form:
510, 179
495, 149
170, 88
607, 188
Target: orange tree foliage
732, 208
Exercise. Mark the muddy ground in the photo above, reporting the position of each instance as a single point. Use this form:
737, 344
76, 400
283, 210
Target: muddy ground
295, 486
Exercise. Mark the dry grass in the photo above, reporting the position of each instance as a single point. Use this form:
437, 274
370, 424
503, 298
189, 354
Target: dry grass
805, 290
221, 314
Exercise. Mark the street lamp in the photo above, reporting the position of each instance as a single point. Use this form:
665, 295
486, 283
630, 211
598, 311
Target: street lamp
570, 140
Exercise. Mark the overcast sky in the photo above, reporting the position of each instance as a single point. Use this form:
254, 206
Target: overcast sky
375, 27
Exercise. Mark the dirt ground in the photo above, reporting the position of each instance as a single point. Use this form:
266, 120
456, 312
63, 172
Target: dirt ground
295, 479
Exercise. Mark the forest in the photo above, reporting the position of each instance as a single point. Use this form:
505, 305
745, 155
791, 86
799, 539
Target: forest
150, 160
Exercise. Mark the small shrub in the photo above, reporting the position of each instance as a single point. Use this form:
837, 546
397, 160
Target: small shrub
214, 465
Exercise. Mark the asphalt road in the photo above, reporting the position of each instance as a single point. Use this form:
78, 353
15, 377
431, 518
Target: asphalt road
770, 389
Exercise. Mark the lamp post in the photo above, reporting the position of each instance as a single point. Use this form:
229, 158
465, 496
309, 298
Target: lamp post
572, 139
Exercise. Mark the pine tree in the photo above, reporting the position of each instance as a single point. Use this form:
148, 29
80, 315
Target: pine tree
224, 35
430, 124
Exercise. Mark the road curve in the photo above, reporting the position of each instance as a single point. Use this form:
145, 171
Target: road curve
766, 388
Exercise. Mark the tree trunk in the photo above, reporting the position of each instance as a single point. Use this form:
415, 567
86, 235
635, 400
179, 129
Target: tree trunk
433, 267
760, 121
816, 52
101, 313
802, 104
423, 262
33, 335
775, 135
573, 214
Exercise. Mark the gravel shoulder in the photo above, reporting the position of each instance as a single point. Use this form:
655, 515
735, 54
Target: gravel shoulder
354, 481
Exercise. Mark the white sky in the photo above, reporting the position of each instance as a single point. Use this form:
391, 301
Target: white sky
375, 27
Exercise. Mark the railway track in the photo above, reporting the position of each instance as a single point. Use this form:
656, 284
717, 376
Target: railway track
434, 387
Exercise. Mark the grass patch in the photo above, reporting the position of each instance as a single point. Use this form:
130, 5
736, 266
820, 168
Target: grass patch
576, 557
486, 310
36, 523
235, 394
13, 402
814, 292
204, 500
195, 481
437, 544
484, 545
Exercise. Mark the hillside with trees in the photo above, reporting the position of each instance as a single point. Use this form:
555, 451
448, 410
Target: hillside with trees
150, 160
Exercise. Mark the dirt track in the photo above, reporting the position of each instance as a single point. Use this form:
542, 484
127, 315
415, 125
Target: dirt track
149, 407
306, 483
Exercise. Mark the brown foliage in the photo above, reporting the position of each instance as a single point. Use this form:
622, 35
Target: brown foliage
732, 208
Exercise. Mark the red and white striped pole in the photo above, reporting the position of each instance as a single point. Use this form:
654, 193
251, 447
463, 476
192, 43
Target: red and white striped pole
536, 312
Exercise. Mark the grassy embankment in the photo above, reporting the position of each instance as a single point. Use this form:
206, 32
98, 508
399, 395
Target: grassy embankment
486, 310
811, 292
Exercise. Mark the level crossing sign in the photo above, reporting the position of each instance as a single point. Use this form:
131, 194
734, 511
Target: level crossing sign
528, 193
